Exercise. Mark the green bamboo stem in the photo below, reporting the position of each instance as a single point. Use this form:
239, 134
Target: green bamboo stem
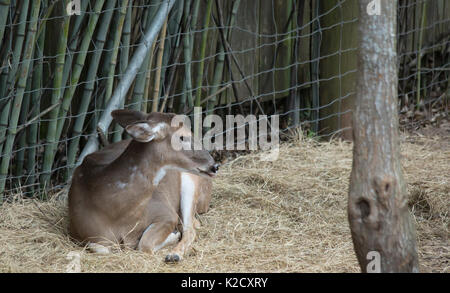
78, 66
43, 19
173, 26
123, 64
113, 59
73, 43
22, 144
52, 138
89, 86
148, 79
193, 25
3, 123
28, 53
187, 55
139, 86
127, 79
169, 51
191, 38
10, 80
4, 9
104, 71
159, 68
3, 80
126, 34
201, 64
32, 135
109, 67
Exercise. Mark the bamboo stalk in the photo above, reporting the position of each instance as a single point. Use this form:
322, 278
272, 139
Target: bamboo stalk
89, 86
73, 43
167, 54
201, 64
115, 52
52, 139
172, 77
125, 83
111, 62
175, 27
29, 122
139, 86
4, 9
187, 54
10, 80
22, 144
197, 126
43, 19
32, 135
4, 76
28, 53
148, 79
78, 66
159, 67
124, 55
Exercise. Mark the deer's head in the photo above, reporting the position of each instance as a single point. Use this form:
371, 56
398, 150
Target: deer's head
156, 131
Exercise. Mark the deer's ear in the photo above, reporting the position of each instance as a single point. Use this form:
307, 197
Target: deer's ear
128, 117
146, 132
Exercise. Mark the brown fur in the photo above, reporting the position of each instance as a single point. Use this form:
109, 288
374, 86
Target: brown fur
112, 198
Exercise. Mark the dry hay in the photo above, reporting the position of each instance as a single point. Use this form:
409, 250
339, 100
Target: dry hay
283, 216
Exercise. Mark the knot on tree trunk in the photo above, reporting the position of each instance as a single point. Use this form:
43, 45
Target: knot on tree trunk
384, 186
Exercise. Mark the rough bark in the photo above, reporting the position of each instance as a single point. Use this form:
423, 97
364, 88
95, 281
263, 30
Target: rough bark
378, 202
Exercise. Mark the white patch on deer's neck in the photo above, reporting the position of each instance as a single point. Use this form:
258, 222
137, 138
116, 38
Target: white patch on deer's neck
159, 175
162, 172
187, 200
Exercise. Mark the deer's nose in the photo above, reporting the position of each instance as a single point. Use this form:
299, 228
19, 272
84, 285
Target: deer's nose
215, 168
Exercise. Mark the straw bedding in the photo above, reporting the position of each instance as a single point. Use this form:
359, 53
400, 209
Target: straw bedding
283, 216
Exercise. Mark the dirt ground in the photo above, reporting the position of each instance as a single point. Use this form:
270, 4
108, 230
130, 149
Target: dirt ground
283, 216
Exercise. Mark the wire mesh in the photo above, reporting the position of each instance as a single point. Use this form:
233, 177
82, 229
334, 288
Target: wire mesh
295, 59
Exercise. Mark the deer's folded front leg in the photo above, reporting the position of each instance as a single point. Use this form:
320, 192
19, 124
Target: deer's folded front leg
157, 236
187, 209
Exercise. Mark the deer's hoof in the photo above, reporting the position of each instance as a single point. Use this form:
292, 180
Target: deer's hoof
172, 258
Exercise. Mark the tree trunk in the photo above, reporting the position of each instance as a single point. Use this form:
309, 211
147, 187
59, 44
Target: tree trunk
382, 229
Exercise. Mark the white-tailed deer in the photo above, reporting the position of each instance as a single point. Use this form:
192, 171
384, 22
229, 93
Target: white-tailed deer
135, 192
